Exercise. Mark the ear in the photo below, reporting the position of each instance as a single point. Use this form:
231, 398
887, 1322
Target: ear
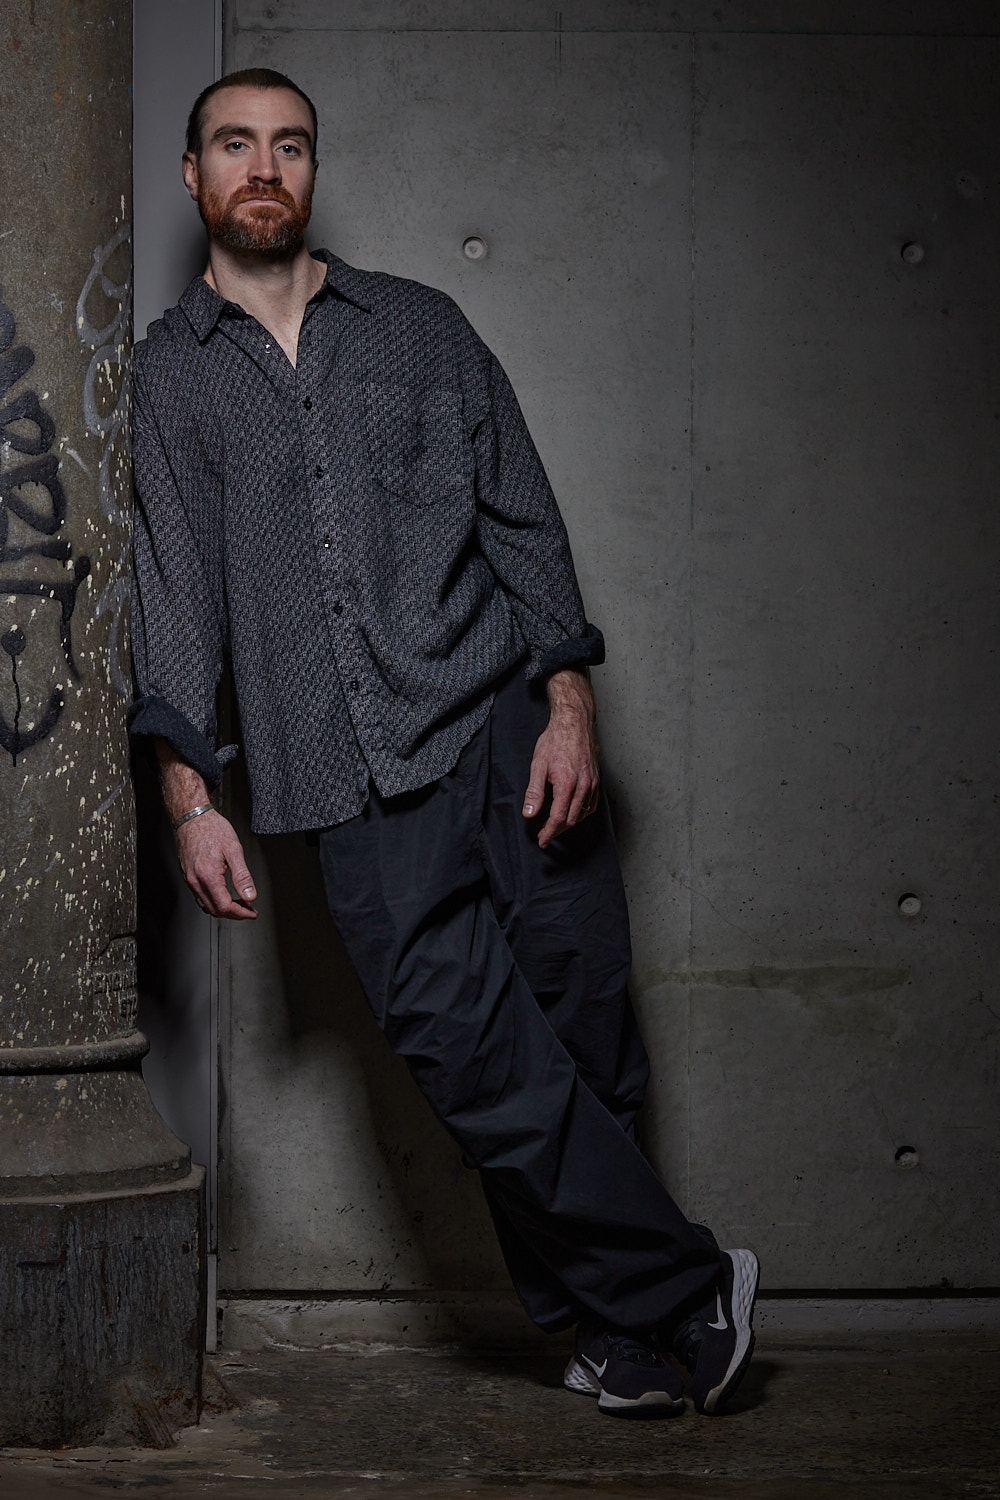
189, 171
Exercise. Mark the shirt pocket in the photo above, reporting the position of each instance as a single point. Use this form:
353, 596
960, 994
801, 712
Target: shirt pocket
417, 444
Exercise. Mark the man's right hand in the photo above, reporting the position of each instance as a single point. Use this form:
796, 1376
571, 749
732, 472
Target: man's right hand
207, 847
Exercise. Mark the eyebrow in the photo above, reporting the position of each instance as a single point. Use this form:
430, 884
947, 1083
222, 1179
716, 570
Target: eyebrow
298, 131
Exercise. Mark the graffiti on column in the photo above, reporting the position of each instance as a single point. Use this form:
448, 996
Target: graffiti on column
34, 561
106, 334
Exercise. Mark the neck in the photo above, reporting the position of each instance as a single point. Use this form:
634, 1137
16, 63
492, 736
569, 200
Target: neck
275, 292
254, 281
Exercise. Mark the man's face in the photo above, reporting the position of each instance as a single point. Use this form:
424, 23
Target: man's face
254, 177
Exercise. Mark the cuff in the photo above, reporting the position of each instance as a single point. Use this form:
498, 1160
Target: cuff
586, 650
155, 716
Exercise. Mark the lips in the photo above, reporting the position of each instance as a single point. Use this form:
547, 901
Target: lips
260, 198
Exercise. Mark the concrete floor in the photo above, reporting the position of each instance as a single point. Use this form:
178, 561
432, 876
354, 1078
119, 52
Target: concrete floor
885, 1419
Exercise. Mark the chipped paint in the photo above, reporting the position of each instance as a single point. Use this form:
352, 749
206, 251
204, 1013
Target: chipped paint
66, 862
109, 361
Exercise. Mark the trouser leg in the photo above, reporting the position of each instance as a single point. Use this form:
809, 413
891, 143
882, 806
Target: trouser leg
408, 887
564, 915
563, 912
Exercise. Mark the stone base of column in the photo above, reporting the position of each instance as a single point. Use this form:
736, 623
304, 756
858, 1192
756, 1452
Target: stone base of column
102, 1315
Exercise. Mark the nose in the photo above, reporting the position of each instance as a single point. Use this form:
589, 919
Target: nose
263, 167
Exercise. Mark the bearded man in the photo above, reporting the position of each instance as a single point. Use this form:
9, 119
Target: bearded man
337, 493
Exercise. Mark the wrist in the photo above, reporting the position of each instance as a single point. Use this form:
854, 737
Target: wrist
192, 813
183, 787
570, 694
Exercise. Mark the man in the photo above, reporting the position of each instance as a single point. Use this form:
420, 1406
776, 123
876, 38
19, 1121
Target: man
336, 490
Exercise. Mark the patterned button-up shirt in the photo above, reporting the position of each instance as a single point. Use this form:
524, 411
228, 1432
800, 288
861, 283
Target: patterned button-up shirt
368, 537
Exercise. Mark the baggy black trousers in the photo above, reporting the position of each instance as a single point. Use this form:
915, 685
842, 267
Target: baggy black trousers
499, 972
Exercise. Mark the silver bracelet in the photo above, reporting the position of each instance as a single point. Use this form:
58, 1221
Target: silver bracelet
195, 812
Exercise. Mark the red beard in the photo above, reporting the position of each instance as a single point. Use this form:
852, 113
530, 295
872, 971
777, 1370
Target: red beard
271, 232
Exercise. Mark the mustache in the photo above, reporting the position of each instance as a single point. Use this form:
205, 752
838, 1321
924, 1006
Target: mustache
274, 194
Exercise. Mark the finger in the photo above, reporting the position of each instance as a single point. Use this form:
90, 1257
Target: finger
214, 904
583, 802
556, 821
238, 911
240, 875
535, 793
208, 881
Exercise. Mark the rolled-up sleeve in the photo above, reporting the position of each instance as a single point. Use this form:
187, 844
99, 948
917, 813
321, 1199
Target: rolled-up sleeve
523, 537
178, 629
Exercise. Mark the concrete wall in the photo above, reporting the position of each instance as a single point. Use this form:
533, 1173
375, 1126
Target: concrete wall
176, 53
773, 432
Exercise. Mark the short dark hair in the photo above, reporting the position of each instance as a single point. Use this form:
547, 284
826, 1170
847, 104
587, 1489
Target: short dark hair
253, 78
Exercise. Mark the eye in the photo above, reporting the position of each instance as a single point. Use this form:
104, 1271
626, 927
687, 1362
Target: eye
235, 146
289, 148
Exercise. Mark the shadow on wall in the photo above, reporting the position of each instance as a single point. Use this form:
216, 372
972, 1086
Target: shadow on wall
400, 1169
174, 949
334, 1175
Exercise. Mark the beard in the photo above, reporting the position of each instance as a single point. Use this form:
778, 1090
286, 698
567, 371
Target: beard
274, 233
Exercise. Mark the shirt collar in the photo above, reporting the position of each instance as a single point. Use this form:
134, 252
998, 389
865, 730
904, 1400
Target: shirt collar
203, 307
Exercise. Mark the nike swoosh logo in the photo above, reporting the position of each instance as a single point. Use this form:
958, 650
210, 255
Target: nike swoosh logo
721, 1324
597, 1369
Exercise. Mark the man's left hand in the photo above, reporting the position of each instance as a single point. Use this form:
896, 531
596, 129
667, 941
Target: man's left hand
565, 757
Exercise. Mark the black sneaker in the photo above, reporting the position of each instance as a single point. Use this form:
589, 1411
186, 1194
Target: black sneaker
628, 1377
716, 1351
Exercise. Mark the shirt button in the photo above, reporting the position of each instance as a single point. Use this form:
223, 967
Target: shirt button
338, 608
354, 684
307, 404
327, 543
320, 471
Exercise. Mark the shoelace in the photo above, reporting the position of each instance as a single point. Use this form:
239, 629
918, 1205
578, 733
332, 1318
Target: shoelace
688, 1339
634, 1353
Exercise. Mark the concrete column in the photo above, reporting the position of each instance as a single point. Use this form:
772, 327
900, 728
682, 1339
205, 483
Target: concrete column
101, 1211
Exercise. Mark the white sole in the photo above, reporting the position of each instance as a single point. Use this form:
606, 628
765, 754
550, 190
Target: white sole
648, 1401
577, 1377
746, 1274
